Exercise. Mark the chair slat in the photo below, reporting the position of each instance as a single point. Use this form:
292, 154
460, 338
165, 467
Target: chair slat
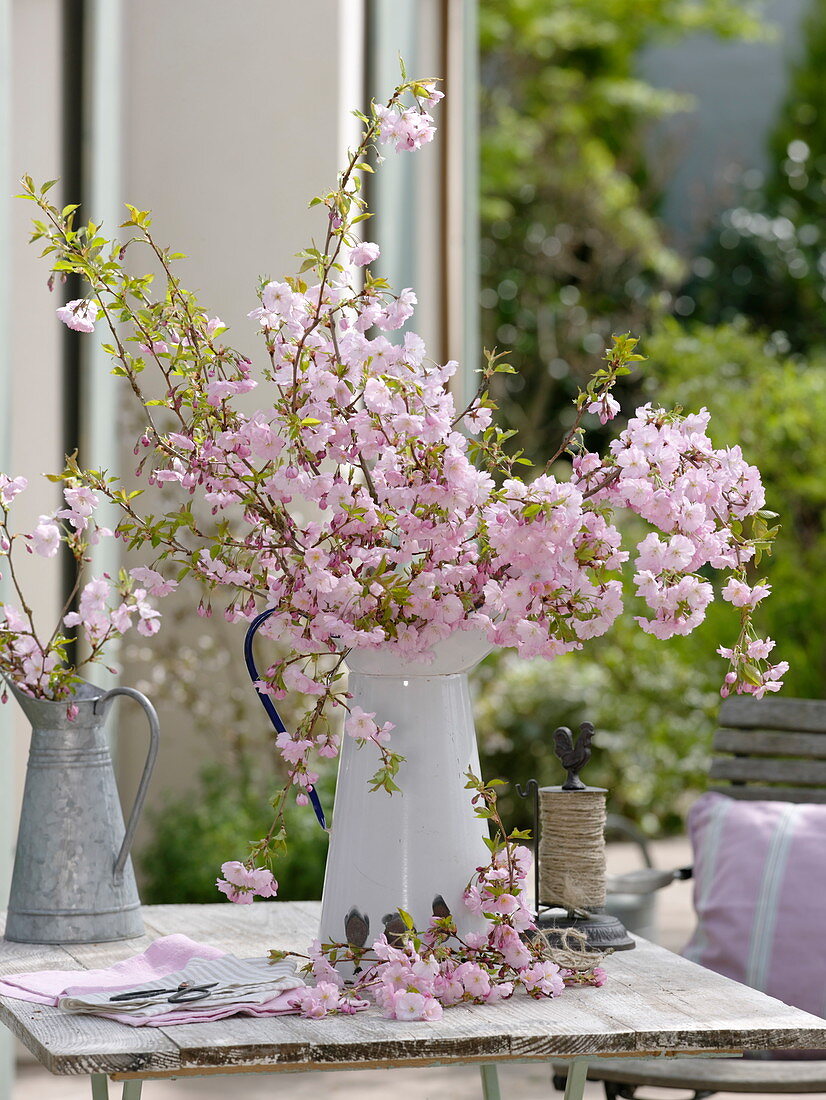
793, 772
756, 793
801, 715
771, 743
727, 1075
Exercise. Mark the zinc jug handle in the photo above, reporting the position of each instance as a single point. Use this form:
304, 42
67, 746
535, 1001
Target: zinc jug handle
143, 786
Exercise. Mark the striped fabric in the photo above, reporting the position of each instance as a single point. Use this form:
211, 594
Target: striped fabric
237, 982
760, 896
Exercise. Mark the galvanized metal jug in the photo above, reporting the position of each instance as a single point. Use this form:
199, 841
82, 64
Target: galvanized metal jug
73, 880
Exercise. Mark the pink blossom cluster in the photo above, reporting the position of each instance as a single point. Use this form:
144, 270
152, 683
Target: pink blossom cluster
417, 977
369, 518
409, 128
80, 314
409, 539
745, 659
106, 607
242, 883
361, 506
665, 468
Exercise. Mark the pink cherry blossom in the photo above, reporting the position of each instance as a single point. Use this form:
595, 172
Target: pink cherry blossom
360, 724
10, 488
152, 581
364, 253
739, 594
79, 314
46, 537
606, 408
241, 883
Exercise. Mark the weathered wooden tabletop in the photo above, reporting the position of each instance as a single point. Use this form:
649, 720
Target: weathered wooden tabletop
654, 1002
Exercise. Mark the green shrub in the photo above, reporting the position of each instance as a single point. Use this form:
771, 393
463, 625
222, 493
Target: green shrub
653, 710
195, 833
571, 249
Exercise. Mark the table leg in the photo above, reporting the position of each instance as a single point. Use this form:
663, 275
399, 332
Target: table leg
100, 1086
490, 1083
577, 1075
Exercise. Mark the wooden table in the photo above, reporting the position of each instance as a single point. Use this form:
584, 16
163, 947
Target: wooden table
654, 1003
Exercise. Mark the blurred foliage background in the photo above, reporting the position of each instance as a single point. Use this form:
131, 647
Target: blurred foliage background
573, 250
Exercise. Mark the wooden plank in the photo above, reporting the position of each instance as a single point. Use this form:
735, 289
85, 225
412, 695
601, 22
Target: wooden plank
60, 1041
465, 1034
72, 1045
788, 772
755, 793
99, 956
803, 715
248, 931
656, 987
20, 958
771, 743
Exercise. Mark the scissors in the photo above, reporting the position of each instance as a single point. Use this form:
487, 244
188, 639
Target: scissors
182, 993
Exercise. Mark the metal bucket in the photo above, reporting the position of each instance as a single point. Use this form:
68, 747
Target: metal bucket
73, 880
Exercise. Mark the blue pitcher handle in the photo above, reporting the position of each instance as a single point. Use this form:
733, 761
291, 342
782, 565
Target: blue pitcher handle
268, 704
143, 786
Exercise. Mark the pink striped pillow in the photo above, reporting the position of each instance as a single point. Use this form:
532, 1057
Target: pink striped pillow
760, 896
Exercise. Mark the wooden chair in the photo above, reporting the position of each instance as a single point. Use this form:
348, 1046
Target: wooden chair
768, 749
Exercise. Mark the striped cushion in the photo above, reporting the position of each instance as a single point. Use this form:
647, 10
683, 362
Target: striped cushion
760, 896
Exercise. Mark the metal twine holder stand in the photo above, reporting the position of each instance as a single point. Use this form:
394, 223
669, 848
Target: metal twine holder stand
603, 931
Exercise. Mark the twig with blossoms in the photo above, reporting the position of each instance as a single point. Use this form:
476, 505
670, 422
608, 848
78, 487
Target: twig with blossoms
419, 525
107, 607
415, 976
710, 505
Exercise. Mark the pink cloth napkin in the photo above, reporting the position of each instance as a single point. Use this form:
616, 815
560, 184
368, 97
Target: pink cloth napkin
164, 956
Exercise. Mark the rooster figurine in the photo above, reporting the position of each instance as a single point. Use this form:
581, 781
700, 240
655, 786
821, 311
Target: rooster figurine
574, 757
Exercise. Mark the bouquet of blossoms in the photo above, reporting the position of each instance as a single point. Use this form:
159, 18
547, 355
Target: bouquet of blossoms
357, 506
107, 607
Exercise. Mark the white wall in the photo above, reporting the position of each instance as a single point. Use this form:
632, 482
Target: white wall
231, 126
30, 370
33, 424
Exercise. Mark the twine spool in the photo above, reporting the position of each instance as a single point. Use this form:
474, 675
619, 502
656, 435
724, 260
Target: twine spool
572, 848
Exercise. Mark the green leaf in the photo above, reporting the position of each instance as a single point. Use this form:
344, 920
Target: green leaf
751, 674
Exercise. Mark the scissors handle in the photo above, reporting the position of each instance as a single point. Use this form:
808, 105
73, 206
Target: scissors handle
136, 993
191, 993
180, 993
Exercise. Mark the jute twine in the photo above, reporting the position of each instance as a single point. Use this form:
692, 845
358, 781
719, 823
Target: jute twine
570, 950
572, 848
